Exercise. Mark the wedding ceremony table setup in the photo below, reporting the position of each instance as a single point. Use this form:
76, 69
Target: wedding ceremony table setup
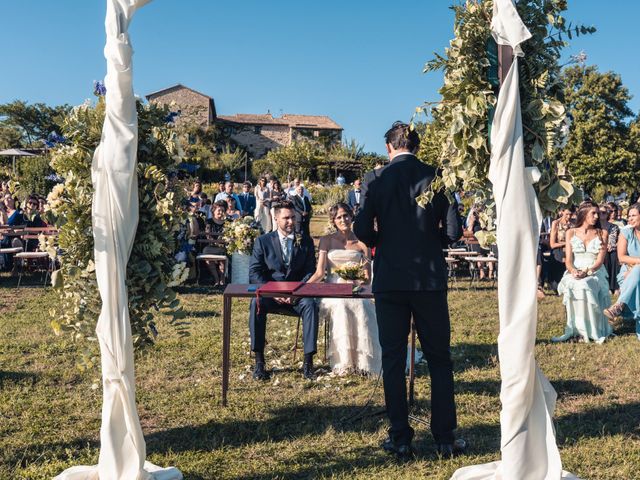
249, 291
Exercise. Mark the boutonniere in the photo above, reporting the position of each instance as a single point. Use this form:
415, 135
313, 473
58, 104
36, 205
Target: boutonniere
297, 240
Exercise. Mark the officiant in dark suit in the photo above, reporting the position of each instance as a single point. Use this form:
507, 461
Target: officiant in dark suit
303, 210
410, 280
283, 256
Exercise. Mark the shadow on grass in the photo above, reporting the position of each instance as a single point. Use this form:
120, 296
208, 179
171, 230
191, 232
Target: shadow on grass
7, 378
564, 388
203, 314
319, 464
616, 419
283, 424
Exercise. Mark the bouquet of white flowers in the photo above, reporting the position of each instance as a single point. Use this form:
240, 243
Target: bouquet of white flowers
240, 234
351, 271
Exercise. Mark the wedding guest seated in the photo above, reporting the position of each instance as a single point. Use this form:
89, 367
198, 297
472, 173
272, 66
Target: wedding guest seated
584, 286
282, 256
232, 211
473, 226
15, 216
611, 257
354, 344
628, 304
3, 213
32, 219
214, 229
196, 192
557, 242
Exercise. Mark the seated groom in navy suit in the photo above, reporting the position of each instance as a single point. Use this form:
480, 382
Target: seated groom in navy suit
282, 256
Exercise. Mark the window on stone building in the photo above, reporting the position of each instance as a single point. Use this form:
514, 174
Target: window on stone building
257, 129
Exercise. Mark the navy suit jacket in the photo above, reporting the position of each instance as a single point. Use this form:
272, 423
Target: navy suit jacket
351, 199
247, 206
408, 238
267, 265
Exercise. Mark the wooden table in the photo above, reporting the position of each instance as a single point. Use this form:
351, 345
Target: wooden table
241, 291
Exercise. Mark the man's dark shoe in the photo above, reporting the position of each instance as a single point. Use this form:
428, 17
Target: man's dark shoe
449, 450
259, 372
307, 371
404, 453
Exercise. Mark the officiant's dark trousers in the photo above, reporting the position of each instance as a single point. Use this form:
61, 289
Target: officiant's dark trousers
431, 315
306, 308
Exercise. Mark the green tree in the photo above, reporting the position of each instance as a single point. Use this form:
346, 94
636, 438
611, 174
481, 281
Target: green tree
299, 159
33, 122
599, 151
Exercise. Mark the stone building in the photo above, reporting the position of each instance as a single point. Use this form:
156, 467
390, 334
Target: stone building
192, 105
258, 134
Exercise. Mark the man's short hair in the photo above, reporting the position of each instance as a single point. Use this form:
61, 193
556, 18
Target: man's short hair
283, 205
247, 184
402, 137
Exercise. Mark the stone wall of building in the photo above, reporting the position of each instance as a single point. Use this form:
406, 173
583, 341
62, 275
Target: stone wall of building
193, 106
258, 140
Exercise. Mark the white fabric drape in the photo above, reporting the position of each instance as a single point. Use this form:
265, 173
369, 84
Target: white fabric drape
115, 219
528, 443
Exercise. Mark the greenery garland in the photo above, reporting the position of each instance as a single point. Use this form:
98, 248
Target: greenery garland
455, 139
152, 269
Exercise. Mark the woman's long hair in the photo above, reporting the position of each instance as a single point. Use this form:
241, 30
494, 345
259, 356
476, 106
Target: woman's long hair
581, 216
333, 212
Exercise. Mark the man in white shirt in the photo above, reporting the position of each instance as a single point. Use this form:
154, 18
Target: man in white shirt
228, 192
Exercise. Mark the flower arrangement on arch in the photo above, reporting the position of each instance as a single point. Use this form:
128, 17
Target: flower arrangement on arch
240, 234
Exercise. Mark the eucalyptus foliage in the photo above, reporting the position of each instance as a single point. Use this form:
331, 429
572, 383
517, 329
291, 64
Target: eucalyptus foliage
456, 138
152, 269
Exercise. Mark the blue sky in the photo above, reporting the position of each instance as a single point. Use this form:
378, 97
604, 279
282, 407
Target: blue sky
357, 61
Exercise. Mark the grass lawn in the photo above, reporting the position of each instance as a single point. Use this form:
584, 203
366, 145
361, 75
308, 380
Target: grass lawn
290, 428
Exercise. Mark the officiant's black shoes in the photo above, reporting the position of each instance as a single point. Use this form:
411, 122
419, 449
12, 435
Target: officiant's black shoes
449, 450
403, 453
307, 371
260, 373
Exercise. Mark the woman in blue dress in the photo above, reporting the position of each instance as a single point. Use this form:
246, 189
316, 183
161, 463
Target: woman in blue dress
628, 304
585, 286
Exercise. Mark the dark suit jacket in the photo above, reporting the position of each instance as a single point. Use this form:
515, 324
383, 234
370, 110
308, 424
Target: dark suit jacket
247, 206
297, 205
267, 265
409, 239
351, 200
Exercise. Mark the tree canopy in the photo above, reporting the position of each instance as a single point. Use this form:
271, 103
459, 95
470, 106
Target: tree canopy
603, 147
29, 124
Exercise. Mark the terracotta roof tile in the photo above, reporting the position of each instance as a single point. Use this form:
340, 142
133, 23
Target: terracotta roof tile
290, 120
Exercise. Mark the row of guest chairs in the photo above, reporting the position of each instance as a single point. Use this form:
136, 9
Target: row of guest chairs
25, 251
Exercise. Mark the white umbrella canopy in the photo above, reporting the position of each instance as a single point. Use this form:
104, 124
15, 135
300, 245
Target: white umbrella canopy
115, 219
14, 152
528, 443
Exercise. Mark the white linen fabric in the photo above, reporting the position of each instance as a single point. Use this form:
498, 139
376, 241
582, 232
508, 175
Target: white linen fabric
115, 219
353, 344
528, 445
